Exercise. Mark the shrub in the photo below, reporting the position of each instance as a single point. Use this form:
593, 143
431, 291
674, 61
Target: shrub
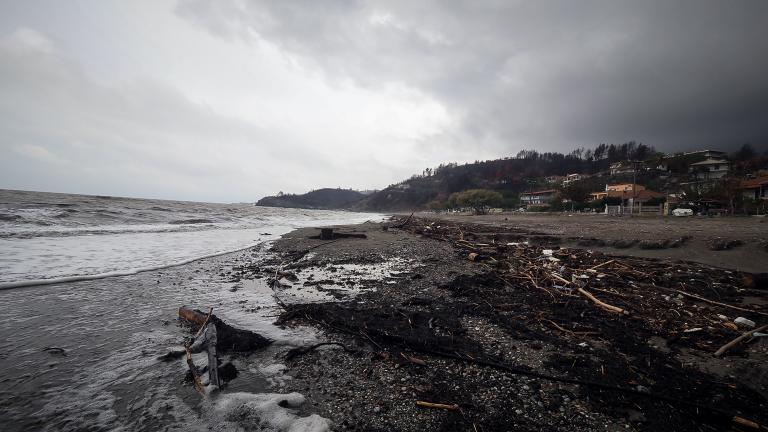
479, 200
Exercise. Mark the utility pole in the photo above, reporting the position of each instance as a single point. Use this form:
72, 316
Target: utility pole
634, 188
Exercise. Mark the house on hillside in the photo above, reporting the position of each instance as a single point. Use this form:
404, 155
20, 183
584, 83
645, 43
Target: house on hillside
554, 179
755, 189
627, 191
616, 189
709, 169
542, 197
706, 154
627, 197
623, 167
570, 178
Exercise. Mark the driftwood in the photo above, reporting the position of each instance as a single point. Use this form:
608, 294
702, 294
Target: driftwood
706, 300
214, 335
229, 339
452, 407
725, 348
603, 305
404, 223
207, 343
195, 373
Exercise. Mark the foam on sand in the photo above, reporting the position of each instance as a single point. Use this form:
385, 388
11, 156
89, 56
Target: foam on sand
265, 411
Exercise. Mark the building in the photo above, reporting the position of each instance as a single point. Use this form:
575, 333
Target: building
755, 189
624, 187
707, 154
542, 197
570, 178
618, 190
709, 169
641, 196
554, 179
623, 167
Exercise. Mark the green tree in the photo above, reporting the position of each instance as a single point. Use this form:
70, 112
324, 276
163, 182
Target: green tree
578, 192
436, 204
746, 152
480, 200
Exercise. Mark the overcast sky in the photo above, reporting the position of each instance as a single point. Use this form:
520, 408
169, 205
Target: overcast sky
230, 100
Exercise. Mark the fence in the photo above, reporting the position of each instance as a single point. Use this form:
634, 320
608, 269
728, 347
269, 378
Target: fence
638, 209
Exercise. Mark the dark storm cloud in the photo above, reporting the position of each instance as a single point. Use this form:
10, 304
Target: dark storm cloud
543, 74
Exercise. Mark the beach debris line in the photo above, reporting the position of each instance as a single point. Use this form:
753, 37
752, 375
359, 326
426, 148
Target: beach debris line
604, 323
230, 339
213, 336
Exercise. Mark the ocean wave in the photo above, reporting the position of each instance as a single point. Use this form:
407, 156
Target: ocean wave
9, 217
190, 221
25, 233
131, 271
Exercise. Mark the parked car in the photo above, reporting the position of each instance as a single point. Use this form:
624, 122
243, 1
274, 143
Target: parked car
682, 212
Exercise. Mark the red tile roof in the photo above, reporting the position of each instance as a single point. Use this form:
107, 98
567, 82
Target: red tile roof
754, 183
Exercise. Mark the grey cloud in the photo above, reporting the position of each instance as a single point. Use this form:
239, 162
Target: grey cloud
63, 131
552, 74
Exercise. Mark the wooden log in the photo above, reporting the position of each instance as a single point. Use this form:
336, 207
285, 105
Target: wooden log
424, 404
195, 373
746, 424
213, 360
601, 304
725, 348
202, 326
230, 339
193, 316
414, 360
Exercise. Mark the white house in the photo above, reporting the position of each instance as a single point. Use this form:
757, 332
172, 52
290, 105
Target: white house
570, 178
537, 198
709, 169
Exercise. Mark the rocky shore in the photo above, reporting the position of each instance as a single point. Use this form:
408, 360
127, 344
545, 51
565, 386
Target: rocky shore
425, 327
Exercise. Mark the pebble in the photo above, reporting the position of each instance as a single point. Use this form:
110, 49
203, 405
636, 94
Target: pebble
744, 322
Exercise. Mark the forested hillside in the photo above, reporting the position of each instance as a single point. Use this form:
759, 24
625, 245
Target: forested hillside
317, 199
509, 176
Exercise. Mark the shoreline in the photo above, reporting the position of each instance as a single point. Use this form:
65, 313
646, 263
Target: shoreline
373, 381
410, 281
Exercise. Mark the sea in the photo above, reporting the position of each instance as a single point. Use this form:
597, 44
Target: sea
90, 288
51, 238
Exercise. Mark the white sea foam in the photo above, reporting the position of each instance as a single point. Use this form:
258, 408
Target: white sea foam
130, 271
117, 237
267, 411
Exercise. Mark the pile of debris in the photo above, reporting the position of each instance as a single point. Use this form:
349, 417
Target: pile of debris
213, 336
571, 298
